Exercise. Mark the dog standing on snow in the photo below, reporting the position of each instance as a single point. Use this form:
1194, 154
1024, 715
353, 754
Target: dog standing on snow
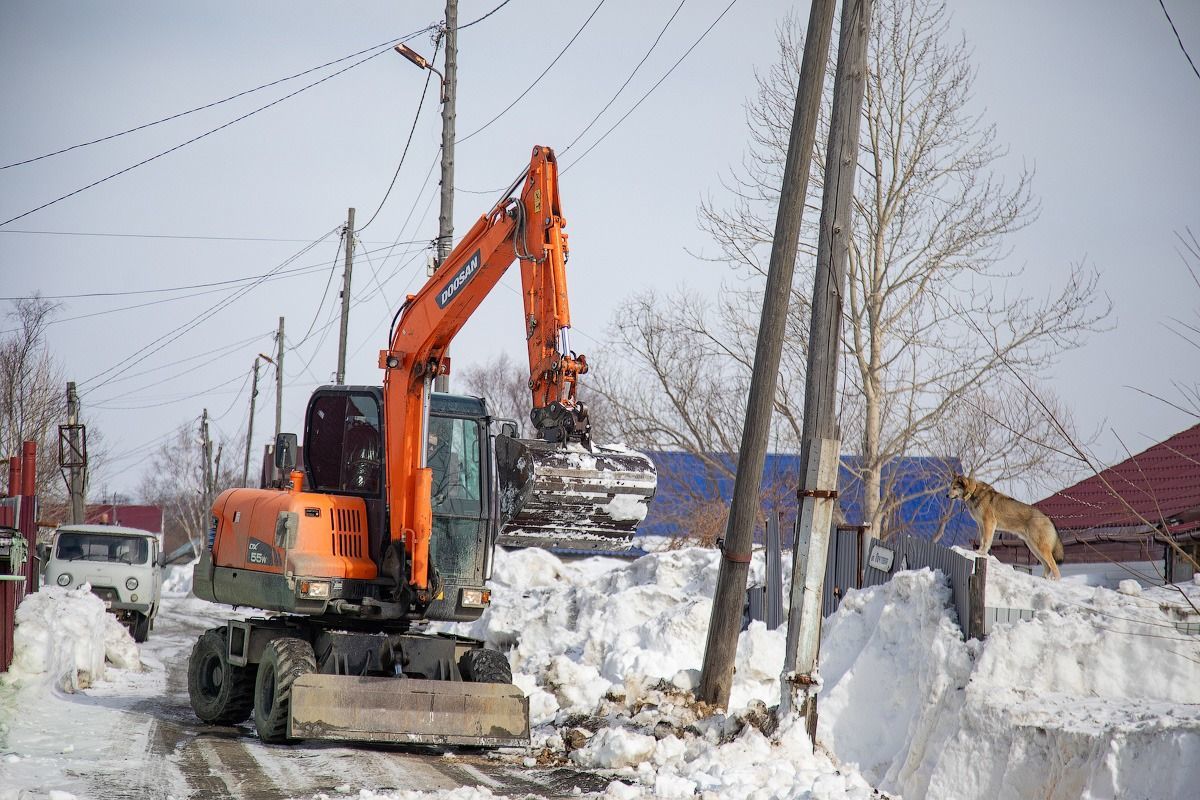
992, 510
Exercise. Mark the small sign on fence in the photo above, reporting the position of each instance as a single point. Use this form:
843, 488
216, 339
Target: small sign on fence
881, 558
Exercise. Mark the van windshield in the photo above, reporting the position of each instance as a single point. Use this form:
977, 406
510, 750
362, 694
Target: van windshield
76, 546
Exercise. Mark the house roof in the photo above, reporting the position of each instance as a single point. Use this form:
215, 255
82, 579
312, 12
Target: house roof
143, 517
683, 477
1160, 485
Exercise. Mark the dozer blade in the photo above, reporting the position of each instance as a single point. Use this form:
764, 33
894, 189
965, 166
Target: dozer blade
554, 495
408, 711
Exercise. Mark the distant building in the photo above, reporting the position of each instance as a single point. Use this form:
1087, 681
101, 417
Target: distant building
1117, 525
694, 493
143, 517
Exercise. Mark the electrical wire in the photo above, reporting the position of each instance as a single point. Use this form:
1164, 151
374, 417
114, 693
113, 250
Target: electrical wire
308, 269
164, 236
217, 353
411, 131
536, 80
1178, 38
634, 72
485, 16
650, 91
145, 352
325, 293
388, 44
194, 139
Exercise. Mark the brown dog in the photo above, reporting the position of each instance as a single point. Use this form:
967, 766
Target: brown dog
993, 510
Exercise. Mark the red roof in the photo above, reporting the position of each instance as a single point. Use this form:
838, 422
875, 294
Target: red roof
1159, 485
146, 518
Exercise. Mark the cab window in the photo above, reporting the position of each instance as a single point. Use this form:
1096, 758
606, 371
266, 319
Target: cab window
344, 448
454, 457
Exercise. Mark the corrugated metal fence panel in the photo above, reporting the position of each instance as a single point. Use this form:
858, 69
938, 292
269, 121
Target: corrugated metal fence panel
913, 553
774, 597
841, 571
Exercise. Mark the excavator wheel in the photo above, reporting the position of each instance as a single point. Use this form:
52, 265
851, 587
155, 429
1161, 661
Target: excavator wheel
221, 693
284, 660
485, 666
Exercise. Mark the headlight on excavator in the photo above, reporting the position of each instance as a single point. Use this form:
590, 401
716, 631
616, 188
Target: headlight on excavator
318, 590
476, 598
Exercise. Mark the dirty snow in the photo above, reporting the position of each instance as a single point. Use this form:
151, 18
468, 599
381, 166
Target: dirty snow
1095, 696
63, 639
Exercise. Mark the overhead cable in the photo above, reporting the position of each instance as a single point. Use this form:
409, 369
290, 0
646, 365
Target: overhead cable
387, 44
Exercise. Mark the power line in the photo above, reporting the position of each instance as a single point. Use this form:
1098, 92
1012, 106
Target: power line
411, 131
215, 103
658, 83
537, 79
485, 16
273, 275
171, 336
192, 395
193, 139
328, 283
634, 72
221, 353
1178, 39
166, 236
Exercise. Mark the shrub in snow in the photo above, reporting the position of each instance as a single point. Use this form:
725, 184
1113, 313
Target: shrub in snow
63, 638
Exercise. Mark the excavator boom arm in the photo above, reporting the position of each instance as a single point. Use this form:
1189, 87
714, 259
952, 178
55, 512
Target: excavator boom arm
528, 226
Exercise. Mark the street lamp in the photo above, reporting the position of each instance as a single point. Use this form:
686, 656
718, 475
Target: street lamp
421, 62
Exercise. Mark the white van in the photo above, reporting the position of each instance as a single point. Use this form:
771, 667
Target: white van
123, 566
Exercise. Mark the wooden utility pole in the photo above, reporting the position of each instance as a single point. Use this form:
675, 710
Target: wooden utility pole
279, 379
206, 455
72, 457
348, 238
250, 424
819, 446
716, 676
445, 241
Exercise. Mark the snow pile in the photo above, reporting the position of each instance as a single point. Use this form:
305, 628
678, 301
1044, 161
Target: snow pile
608, 652
583, 629
1095, 696
177, 580
63, 638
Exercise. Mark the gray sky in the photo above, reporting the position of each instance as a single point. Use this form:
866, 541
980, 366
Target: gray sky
1096, 95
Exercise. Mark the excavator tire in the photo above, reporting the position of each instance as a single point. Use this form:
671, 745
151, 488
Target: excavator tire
284, 660
221, 693
485, 666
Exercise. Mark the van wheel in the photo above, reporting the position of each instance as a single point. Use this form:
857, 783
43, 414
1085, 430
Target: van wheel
140, 627
485, 666
221, 693
284, 660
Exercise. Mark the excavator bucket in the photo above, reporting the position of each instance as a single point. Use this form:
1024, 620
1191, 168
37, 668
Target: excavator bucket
408, 711
569, 496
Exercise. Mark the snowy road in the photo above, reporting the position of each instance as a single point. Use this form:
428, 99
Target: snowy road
135, 736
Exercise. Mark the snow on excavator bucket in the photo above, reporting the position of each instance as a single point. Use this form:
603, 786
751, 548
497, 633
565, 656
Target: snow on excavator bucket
555, 495
408, 711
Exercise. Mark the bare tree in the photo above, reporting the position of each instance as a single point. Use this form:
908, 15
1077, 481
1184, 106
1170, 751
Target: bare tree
931, 216
175, 482
505, 385
32, 399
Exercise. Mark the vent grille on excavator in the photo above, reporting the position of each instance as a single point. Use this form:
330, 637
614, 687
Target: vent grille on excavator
347, 532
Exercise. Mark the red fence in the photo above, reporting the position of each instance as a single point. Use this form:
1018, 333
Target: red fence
18, 511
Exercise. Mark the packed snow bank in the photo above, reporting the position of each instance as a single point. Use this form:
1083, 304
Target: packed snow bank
63, 639
177, 579
1096, 696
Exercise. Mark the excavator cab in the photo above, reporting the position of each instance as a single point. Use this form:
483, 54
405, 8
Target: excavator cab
344, 455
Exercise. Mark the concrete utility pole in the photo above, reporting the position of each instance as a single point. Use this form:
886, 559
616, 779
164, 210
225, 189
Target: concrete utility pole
349, 240
716, 677
250, 424
73, 457
819, 446
279, 379
445, 242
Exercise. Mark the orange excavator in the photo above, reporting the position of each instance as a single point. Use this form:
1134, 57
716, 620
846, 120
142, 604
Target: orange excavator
392, 518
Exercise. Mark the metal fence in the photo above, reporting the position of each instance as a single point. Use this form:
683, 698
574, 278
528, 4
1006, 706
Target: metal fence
846, 571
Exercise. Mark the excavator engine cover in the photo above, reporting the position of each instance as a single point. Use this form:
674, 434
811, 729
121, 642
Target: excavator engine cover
570, 496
